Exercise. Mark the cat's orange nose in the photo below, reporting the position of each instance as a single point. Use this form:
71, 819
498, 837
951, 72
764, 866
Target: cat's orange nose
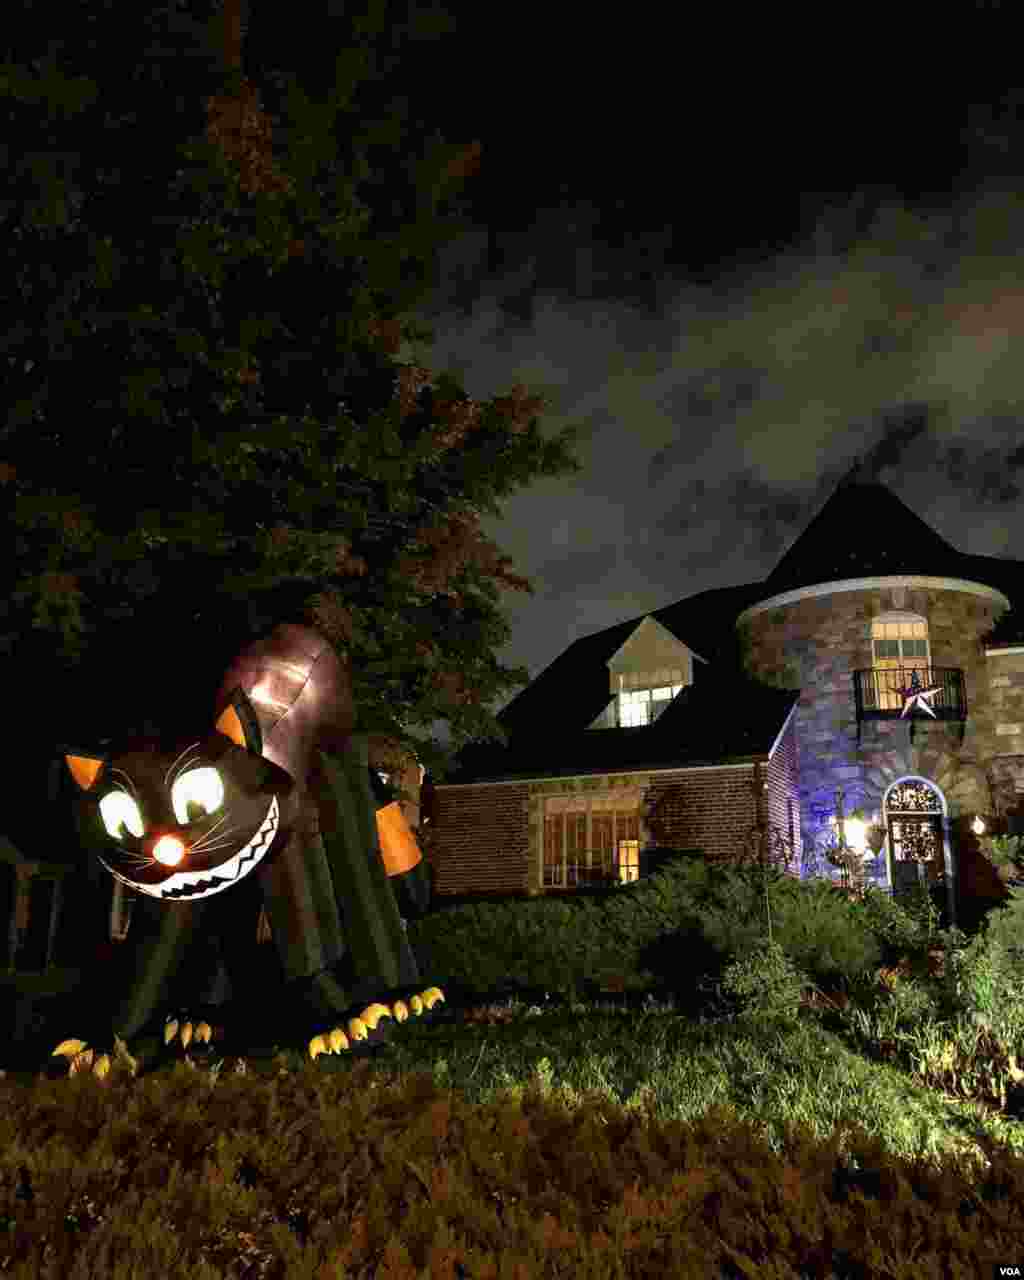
169, 851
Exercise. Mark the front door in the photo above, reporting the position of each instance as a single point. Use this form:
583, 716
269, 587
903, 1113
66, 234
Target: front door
916, 844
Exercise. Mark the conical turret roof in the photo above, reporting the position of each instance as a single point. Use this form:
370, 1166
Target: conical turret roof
863, 531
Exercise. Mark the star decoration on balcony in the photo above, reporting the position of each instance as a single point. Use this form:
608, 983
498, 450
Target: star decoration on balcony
914, 696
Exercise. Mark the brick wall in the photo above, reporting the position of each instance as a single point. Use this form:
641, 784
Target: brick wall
478, 838
711, 809
782, 811
487, 838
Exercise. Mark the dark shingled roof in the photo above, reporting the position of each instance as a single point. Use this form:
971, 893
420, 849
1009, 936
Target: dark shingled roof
712, 722
863, 530
708, 723
577, 681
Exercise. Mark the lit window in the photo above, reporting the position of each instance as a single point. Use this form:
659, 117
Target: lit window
899, 645
643, 706
591, 840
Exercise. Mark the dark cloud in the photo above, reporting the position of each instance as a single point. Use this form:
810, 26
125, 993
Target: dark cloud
706, 456
900, 432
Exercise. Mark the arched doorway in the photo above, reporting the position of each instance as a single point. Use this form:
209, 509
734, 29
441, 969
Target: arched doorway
917, 845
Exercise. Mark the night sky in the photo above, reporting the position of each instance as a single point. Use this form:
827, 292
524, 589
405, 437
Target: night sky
742, 252
743, 259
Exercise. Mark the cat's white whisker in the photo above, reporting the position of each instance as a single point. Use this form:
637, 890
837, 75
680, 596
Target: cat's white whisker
181, 884
185, 884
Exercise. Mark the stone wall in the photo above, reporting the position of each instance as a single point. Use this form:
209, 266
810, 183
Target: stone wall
819, 642
1005, 723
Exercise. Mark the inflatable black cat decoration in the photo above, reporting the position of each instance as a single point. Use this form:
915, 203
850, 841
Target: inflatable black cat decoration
271, 805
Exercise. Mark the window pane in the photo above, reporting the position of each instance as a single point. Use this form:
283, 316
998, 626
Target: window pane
602, 834
553, 846
570, 837
576, 840
629, 861
635, 708
627, 826
601, 840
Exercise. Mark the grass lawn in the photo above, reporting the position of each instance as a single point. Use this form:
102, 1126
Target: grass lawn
853, 1056
890, 1054
829, 1070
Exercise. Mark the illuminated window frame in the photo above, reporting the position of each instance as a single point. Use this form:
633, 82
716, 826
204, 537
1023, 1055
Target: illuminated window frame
590, 840
899, 643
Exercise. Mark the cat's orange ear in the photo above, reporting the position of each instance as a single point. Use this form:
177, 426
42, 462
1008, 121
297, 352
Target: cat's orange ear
84, 769
238, 722
230, 726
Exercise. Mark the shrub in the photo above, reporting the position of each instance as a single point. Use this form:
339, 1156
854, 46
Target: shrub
991, 967
814, 926
766, 988
914, 1004
902, 924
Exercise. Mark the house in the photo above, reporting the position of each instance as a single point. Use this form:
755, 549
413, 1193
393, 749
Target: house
743, 710
31, 893
731, 715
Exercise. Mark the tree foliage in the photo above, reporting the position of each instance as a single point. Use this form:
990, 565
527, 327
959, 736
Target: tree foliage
208, 423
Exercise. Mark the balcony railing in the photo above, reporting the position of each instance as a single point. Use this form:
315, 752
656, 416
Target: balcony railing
878, 697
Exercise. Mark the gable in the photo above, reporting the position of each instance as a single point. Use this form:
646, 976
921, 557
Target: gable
650, 656
577, 681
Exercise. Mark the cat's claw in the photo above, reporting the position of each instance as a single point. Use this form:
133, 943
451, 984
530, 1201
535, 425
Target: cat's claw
418, 1004
81, 1058
357, 1029
426, 1000
200, 1032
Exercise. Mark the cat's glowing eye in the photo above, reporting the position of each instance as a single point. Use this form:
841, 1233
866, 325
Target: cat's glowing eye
119, 812
197, 793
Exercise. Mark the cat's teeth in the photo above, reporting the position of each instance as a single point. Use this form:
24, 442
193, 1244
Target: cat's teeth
228, 873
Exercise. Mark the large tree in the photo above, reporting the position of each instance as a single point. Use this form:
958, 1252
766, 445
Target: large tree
206, 414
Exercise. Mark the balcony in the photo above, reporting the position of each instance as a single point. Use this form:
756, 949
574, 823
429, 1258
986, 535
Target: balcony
878, 697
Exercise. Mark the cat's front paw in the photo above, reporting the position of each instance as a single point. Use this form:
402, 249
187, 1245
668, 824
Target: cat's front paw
420, 1004
96, 1060
364, 1032
188, 1030
371, 1029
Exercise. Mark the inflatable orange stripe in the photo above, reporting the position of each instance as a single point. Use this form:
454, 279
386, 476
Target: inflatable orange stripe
398, 845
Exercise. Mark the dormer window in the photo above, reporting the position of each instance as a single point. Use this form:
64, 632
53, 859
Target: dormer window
632, 707
643, 706
644, 674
